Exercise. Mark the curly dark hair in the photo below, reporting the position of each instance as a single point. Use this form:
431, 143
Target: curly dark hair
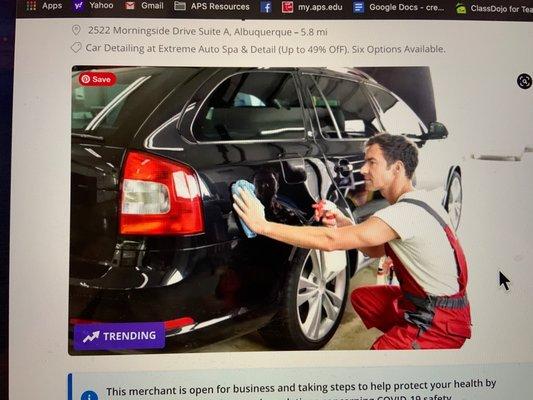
397, 148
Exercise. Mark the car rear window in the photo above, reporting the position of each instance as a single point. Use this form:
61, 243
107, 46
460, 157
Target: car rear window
252, 106
101, 110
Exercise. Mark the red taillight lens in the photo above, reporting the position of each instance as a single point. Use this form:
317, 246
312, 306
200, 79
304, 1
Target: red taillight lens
159, 197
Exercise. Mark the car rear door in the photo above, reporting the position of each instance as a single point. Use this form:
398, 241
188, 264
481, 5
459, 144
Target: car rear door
244, 124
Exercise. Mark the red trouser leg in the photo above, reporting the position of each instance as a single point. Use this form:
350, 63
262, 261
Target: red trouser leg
378, 306
402, 337
449, 330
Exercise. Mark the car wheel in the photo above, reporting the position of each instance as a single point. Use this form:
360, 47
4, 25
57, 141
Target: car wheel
313, 302
454, 199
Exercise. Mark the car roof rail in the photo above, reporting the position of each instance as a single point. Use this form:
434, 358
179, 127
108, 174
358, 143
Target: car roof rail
358, 72
342, 72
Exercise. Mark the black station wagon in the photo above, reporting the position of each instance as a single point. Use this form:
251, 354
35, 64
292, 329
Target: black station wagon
152, 233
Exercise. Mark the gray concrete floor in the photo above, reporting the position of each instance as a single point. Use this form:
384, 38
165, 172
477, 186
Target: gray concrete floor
351, 333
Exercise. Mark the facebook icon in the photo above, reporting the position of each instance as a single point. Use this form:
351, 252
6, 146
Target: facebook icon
358, 7
266, 7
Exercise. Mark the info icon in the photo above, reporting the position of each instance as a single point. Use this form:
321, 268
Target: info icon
287, 7
524, 81
89, 395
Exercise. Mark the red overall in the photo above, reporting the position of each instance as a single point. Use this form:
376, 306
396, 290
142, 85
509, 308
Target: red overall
409, 317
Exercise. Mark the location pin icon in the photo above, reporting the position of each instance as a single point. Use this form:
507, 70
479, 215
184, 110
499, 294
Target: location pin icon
76, 29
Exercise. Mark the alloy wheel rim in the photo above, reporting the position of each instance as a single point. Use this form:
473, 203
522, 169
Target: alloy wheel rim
320, 296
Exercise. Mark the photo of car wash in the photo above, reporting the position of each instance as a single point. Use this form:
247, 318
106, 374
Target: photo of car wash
223, 202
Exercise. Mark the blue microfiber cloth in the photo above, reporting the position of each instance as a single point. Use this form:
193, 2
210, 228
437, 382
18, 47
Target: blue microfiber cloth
245, 185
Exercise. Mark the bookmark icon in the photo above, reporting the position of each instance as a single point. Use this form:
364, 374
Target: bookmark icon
180, 6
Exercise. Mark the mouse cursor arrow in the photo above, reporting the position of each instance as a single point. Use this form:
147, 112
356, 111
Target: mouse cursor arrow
504, 281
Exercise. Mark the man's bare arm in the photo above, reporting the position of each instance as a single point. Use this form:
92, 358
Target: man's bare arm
336, 219
367, 235
371, 233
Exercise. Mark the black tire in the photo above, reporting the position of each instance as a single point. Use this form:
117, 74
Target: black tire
454, 199
290, 328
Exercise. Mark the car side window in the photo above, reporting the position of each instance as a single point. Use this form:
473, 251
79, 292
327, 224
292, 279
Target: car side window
343, 109
396, 116
252, 106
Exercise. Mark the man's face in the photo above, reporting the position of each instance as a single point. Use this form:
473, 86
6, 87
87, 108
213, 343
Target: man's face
377, 173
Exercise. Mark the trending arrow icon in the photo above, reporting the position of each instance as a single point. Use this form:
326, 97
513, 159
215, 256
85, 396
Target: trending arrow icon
90, 338
504, 281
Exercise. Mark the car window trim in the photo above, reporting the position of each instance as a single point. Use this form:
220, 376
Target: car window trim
251, 141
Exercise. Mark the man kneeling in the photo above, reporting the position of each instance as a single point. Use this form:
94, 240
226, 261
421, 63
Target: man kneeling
429, 310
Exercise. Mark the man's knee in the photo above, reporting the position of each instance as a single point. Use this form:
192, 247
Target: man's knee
367, 305
374, 297
375, 305
357, 297
363, 301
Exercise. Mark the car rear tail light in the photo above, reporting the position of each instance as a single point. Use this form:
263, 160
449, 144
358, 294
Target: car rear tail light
159, 197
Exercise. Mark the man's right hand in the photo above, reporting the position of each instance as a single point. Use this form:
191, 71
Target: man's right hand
324, 210
330, 217
336, 218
